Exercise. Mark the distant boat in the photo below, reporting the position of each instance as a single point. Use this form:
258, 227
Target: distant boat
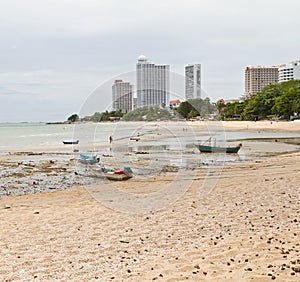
135, 138
71, 142
209, 148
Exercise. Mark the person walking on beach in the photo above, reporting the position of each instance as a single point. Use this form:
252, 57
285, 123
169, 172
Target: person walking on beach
110, 142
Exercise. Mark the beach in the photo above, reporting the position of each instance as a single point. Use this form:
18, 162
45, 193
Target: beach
236, 222
263, 125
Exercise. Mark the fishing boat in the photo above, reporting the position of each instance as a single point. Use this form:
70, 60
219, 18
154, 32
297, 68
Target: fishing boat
86, 159
116, 175
213, 148
135, 138
71, 142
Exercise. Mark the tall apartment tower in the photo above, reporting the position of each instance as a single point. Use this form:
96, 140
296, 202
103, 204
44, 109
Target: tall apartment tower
153, 83
290, 71
256, 78
122, 96
193, 81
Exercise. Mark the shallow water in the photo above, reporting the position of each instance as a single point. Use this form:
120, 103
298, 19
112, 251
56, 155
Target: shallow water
162, 148
156, 138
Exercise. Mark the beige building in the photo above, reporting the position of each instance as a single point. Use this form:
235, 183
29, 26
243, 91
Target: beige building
122, 96
256, 78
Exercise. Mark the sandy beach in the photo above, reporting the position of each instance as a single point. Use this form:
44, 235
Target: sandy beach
263, 125
245, 229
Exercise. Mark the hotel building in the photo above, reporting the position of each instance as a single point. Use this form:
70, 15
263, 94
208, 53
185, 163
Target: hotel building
152, 83
256, 78
122, 96
290, 71
193, 81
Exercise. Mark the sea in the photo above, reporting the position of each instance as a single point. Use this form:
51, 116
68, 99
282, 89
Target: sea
154, 136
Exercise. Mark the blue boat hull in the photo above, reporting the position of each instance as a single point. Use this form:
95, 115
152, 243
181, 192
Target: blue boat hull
71, 142
86, 159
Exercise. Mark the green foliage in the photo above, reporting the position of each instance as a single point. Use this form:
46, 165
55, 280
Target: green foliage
73, 118
184, 109
280, 100
104, 116
261, 105
220, 105
288, 103
192, 114
296, 104
149, 114
96, 117
195, 107
233, 110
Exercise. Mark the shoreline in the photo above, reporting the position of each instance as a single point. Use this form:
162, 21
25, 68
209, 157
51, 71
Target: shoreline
36, 171
32, 169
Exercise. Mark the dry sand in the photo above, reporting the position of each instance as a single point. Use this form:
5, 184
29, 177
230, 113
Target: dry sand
284, 126
293, 126
246, 229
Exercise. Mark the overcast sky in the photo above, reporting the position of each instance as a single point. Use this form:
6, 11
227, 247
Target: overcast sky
55, 53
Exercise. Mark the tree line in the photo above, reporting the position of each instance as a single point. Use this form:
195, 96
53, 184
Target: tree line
280, 101
186, 110
97, 116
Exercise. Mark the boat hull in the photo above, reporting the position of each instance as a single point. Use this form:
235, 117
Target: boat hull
71, 142
86, 159
117, 177
215, 149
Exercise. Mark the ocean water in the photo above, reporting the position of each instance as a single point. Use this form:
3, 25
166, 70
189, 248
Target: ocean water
40, 135
156, 137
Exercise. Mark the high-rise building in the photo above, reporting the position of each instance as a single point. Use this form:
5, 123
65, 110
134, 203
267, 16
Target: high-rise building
193, 81
122, 96
256, 78
290, 71
152, 83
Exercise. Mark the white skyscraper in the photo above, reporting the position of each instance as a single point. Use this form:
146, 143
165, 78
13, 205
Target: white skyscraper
289, 71
193, 81
122, 96
152, 83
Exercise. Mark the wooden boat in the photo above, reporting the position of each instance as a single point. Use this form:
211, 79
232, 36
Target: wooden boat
216, 149
119, 175
212, 148
116, 175
71, 142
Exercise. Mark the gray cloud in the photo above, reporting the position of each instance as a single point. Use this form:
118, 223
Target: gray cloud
61, 50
